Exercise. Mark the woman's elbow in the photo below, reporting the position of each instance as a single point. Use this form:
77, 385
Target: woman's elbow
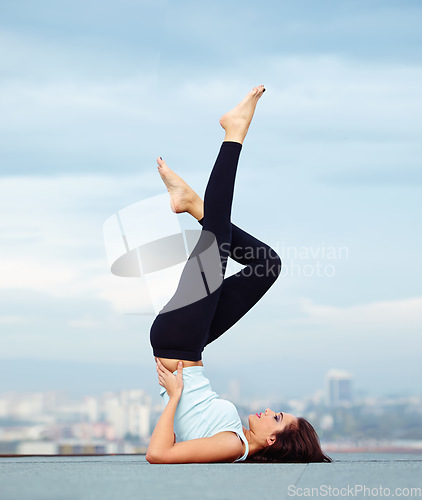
154, 458
151, 458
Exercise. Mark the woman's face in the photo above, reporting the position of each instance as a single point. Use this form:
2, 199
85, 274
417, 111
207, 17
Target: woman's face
266, 424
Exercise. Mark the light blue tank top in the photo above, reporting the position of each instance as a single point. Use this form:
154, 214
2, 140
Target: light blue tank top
201, 413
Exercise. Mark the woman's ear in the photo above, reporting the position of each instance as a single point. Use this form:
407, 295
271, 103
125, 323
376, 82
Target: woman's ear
270, 440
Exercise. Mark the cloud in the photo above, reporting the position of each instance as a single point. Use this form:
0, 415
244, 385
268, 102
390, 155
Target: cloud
29, 274
49, 39
398, 315
323, 109
51, 230
305, 27
85, 96
391, 176
86, 322
5, 320
88, 95
60, 327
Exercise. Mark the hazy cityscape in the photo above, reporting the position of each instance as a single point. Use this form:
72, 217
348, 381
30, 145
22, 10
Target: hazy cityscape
53, 423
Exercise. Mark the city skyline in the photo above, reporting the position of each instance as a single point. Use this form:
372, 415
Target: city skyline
53, 423
93, 379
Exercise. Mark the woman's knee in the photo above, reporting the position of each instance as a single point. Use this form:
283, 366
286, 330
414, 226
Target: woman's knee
274, 264
269, 267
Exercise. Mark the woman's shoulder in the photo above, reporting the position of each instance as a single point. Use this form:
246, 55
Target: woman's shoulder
227, 443
233, 442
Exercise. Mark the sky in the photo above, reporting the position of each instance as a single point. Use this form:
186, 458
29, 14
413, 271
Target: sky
92, 92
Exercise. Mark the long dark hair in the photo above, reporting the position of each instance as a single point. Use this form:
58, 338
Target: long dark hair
299, 443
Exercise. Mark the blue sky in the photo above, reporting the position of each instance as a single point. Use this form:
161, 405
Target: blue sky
92, 92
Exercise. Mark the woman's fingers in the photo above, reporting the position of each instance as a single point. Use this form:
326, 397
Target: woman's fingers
161, 366
180, 371
172, 382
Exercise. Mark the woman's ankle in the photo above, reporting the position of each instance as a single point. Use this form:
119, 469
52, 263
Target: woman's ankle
197, 208
232, 137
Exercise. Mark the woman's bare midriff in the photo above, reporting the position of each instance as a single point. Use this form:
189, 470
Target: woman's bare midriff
171, 364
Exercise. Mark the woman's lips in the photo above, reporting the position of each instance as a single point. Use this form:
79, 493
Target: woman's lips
258, 415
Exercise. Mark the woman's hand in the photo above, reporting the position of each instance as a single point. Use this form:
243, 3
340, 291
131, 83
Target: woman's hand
173, 384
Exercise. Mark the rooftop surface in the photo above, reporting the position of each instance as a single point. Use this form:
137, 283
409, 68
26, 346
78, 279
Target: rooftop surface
131, 476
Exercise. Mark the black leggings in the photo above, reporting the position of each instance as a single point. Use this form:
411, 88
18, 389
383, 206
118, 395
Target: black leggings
182, 331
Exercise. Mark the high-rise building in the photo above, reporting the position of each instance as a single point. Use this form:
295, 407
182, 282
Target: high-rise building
338, 388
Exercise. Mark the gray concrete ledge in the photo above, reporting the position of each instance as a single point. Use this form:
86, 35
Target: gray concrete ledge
131, 476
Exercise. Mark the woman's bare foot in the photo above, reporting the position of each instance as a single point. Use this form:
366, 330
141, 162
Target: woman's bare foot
236, 122
182, 197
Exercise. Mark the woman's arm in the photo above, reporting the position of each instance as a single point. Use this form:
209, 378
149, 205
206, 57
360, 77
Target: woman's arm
163, 438
223, 447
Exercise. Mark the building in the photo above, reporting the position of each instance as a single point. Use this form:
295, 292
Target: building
338, 388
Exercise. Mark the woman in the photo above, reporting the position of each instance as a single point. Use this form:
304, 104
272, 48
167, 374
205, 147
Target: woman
196, 425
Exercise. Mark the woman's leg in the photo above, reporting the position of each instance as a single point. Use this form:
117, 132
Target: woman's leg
241, 291
209, 257
182, 332
181, 328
